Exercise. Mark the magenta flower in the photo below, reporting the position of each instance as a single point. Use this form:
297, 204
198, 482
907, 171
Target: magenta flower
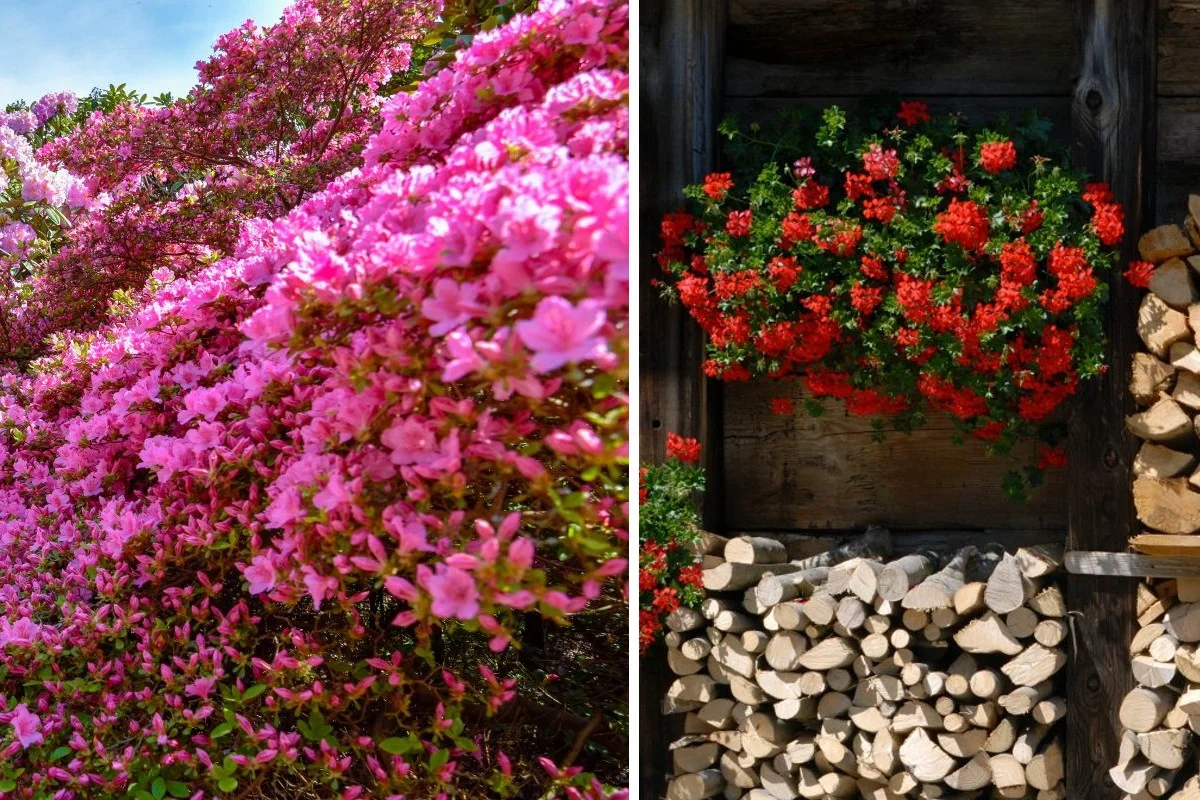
261, 574
27, 727
454, 592
560, 333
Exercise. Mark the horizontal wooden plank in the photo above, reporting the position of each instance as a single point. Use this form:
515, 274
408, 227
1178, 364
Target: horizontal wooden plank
1166, 544
808, 474
1130, 565
1178, 156
977, 110
1178, 53
903, 542
805, 47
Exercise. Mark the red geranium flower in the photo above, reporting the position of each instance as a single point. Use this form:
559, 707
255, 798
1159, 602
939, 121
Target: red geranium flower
781, 406
717, 185
995, 157
913, 112
1140, 273
686, 450
963, 223
738, 223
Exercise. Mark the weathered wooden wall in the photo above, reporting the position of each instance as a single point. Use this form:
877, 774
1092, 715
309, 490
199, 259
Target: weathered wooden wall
1120, 81
981, 59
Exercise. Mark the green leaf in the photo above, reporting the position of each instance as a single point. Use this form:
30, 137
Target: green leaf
158, 788
59, 753
438, 759
221, 730
177, 789
227, 785
7, 785
253, 692
399, 746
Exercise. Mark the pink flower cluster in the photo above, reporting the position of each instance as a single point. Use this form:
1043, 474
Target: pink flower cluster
278, 113
236, 520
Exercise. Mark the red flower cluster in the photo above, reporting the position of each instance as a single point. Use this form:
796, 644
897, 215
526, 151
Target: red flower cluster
963, 223
669, 575
903, 275
1140, 273
685, 449
996, 157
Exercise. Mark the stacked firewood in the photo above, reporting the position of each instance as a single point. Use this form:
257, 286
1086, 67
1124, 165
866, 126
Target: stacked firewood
1162, 712
1165, 381
852, 674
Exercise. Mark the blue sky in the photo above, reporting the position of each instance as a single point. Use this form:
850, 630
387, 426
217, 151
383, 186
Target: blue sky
151, 45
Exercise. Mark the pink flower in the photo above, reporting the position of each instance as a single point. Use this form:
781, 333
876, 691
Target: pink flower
451, 305
201, 688
27, 727
261, 574
463, 358
454, 592
560, 333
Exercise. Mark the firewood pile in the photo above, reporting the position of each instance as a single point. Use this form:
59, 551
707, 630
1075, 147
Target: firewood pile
1165, 381
1161, 714
854, 674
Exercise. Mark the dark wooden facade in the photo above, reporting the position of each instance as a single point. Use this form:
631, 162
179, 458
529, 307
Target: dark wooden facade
1120, 80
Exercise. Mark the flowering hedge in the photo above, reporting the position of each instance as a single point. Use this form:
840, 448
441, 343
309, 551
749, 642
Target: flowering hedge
240, 522
904, 266
669, 573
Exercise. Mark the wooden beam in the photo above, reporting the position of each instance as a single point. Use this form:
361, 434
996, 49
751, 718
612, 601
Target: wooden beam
1166, 544
1113, 114
682, 49
1132, 565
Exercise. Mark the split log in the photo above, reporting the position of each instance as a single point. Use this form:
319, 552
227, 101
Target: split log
1046, 769
1160, 326
774, 588
1186, 391
899, 576
876, 542
730, 577
1150, 377
1167, 749
1131, 778
1172, 281
1034, 665
1164, 422
697, 786
975, 774
1157, 461
1143, 709
937, 591
1183, 622
827, 654
1152, 674
1008, 588
969, 599
1163, 243
1167, 504
755, 550
923, 759
1049, 602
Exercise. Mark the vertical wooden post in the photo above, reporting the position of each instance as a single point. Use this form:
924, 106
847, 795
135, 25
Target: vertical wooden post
682, 46
1113, 118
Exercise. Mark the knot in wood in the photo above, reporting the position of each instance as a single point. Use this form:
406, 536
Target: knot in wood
1093, 100
1110, 458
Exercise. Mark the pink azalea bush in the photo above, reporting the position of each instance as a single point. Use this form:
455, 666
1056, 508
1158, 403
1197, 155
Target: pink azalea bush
278, 112
241, 522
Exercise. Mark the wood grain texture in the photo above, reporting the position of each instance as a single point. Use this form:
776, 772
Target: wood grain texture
1131, 565
1113, 122
1178, 154
1178, 55
808, 473
930, 47
943, 542
681, 58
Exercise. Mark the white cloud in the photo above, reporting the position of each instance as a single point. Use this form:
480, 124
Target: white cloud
151, 45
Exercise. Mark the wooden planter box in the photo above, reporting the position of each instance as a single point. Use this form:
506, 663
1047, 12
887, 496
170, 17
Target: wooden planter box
1121, 82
